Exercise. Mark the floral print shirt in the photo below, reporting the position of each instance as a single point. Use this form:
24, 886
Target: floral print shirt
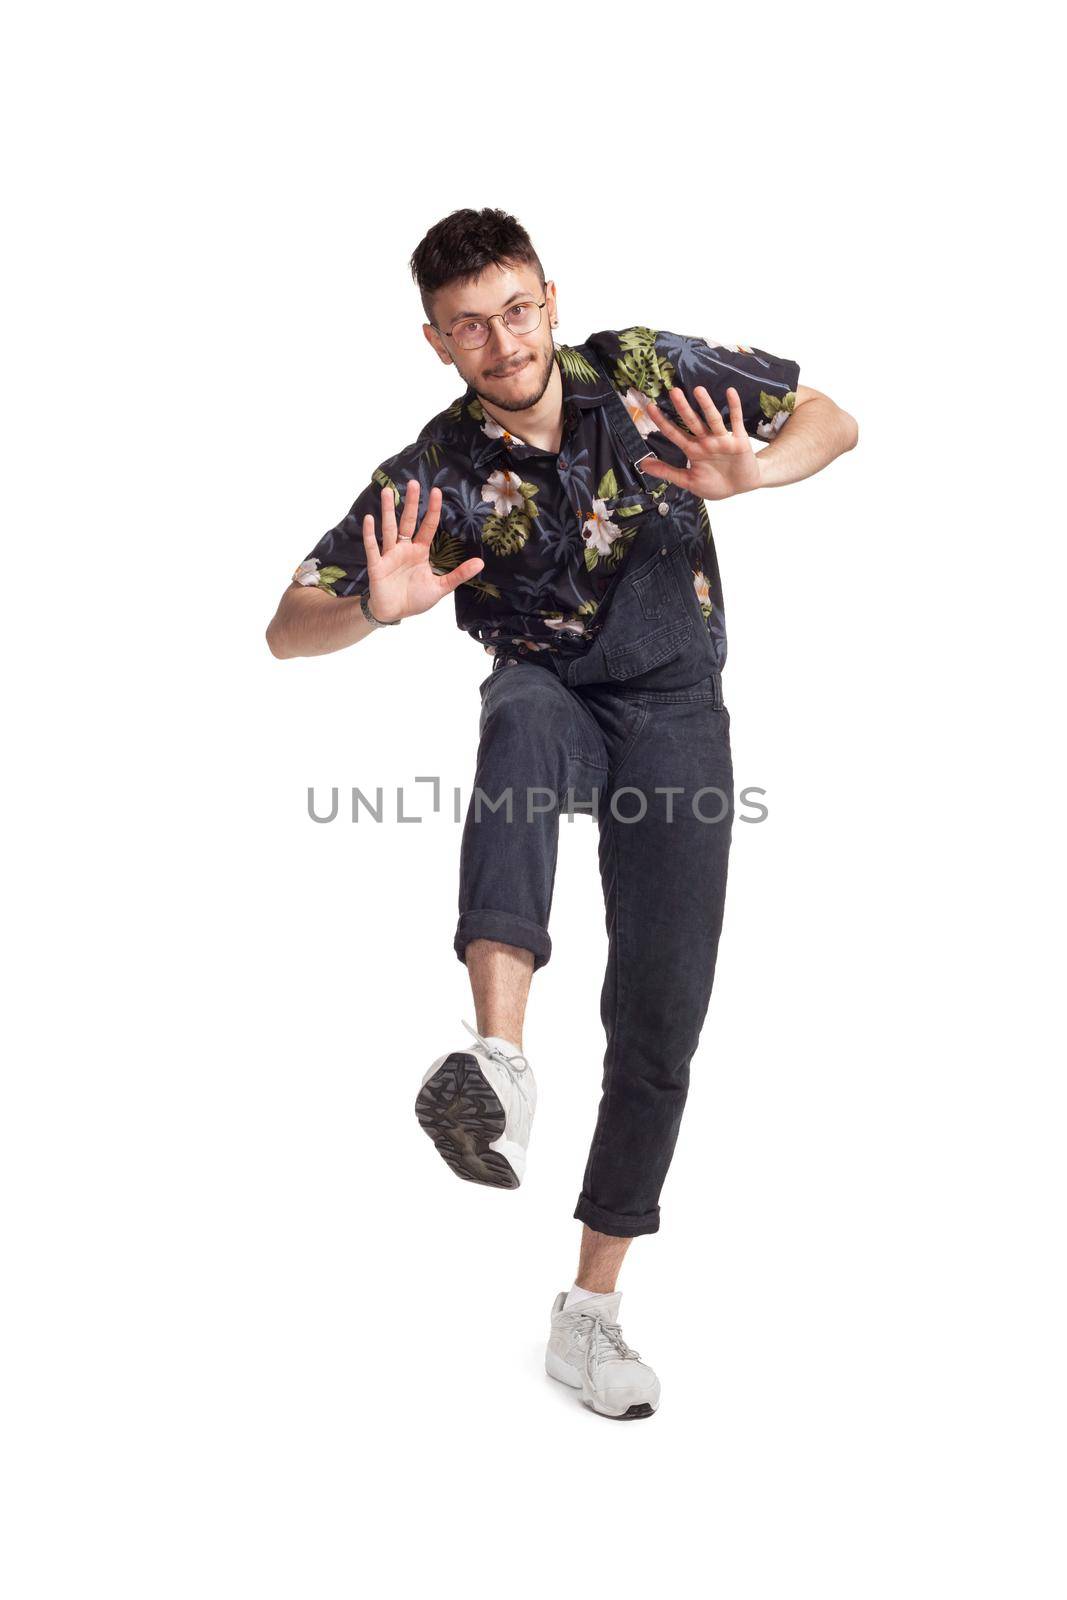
552, 529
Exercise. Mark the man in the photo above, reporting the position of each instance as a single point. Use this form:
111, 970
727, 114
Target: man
561, 500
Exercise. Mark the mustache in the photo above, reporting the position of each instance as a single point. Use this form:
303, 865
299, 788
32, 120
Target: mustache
522, 403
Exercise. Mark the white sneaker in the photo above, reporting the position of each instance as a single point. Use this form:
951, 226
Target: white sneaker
586, 1350
477, 1105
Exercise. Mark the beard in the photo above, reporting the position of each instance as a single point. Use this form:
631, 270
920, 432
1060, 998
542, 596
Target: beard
540, 367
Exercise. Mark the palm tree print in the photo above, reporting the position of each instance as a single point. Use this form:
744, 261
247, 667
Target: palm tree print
555, 529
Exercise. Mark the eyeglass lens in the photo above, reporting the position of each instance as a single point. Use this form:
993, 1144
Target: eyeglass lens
523, 318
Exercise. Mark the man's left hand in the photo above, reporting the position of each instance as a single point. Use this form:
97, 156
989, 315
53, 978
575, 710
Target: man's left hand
721, 460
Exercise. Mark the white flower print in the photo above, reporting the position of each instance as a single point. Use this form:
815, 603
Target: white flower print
493, 430
700, 584
565, 624
768, 428
312, 574
599, 530
504, 491
636, 404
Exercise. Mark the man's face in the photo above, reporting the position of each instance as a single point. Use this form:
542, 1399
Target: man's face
511, 370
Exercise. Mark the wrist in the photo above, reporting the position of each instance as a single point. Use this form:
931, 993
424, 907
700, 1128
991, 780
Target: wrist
376, 618
765, 467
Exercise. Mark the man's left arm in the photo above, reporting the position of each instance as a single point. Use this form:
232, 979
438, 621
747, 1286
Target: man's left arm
721, 461
716, 403
817, 432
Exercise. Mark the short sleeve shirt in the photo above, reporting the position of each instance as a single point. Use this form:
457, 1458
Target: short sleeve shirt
552, 528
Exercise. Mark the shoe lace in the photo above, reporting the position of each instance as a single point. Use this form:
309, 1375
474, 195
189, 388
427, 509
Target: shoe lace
605, 1341
516, 1064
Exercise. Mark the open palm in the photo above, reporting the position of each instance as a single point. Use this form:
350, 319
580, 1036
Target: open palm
721, 460
399, 576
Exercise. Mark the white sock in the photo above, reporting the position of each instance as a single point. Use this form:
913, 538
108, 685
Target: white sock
576, 1294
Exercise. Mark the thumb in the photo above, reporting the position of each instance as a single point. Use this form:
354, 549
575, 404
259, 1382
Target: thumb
466, 569
662, 470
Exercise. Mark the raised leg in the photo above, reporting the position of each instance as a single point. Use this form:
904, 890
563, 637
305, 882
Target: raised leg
500, 983
532, 755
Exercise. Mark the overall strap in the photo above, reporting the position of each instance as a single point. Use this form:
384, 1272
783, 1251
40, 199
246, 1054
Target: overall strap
633, 447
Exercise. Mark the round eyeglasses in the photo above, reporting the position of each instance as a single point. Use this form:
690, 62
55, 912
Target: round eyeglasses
472, 332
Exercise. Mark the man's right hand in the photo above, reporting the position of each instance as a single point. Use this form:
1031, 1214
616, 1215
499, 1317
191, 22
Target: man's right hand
399, 577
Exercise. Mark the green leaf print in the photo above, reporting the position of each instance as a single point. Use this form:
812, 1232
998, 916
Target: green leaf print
483, 589
615, 552
506, 536
770, 404
328, 576
528, 490
640, 366
620, 546
575, 365
609, 485
383, 482
446, 552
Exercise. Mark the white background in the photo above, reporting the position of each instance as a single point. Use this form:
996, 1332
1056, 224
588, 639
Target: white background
258, 1340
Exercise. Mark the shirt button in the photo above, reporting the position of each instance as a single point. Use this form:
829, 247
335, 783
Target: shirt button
664, 509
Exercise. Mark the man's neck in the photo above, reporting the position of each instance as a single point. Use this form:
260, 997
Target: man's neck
541, 425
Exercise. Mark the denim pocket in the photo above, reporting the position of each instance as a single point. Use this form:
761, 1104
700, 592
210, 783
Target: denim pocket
634, 719
650, 618
656, 589
655, 649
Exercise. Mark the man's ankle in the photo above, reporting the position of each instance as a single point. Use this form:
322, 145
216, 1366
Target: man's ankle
578, 1293
507, 1038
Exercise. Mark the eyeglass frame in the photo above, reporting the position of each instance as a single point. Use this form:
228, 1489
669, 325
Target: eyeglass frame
540, 304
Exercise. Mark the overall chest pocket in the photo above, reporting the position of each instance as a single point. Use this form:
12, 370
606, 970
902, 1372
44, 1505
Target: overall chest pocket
656, 589
650, 623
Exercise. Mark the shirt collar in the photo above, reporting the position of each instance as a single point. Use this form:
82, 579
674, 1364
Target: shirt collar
581, 392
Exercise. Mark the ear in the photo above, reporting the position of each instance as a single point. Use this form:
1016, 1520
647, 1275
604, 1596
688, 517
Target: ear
434, 338
550, 302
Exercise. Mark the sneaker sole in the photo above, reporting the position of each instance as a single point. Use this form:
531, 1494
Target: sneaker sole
644, 1410
461, 1113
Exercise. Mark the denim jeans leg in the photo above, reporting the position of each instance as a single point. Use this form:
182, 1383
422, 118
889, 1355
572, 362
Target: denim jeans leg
538, 751
664, 878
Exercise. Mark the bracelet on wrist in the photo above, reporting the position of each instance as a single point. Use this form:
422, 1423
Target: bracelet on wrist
377, 622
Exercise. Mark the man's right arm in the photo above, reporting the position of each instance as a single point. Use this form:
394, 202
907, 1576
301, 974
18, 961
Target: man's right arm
313, 622
312, 619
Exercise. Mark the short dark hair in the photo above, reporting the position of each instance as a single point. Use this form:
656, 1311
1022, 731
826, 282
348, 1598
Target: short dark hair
463, 244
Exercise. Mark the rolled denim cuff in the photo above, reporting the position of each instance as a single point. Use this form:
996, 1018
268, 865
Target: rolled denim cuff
505, 927
618, 1223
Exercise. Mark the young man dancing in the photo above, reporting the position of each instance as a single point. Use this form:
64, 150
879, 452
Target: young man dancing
560, 498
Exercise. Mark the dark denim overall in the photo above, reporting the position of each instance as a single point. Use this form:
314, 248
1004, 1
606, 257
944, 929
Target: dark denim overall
641, 711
